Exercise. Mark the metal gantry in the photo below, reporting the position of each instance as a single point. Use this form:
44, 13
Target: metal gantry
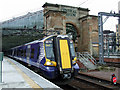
100, 29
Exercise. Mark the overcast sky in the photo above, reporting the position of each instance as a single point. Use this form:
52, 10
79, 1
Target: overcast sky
14, 8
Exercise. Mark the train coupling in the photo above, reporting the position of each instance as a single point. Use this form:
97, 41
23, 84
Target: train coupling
66, 76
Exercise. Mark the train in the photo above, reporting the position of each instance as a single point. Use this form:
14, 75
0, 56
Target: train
54, 56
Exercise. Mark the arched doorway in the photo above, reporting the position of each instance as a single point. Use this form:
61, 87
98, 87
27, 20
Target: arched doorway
71, 29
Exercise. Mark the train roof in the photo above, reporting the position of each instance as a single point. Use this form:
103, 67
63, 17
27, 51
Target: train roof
36, 41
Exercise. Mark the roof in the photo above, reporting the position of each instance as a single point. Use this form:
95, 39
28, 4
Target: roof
36, 41
57, 5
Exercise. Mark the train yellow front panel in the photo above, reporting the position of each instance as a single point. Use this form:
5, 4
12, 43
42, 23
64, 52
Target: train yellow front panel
65, 55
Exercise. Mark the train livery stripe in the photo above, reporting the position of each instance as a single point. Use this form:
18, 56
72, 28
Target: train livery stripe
65, 55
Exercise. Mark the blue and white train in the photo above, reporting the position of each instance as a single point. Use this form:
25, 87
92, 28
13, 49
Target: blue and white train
54, 56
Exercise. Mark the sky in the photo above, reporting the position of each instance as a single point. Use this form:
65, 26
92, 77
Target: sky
14, 8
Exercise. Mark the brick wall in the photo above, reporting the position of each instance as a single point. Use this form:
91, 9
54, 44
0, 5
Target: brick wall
90, 34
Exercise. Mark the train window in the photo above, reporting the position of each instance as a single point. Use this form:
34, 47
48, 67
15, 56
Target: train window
49, 51
24, 53
72, 49
20, 52
38, 52
13, 52
17, 52
32, 53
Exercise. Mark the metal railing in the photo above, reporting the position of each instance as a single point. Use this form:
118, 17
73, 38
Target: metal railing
87, 60
86, 55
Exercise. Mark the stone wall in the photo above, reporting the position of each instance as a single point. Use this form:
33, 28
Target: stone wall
90, 34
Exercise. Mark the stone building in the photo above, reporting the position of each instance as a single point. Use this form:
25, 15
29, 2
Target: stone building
74, 20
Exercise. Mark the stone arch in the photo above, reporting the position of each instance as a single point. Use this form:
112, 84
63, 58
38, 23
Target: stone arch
71, 28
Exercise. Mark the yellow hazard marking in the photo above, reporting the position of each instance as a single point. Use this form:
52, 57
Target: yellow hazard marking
65, 55
26, 78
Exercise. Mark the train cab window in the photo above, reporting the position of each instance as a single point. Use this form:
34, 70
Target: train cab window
72, 49
49, 49
32, 53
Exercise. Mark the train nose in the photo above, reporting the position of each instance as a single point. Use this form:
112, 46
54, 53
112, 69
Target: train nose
67, 76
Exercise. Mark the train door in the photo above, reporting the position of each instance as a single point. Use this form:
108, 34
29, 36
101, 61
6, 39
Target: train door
63, 55
28, 54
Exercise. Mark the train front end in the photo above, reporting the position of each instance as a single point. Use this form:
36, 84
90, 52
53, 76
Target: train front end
60, 57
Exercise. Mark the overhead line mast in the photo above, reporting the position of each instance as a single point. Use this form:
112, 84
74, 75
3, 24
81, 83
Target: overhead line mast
100, 29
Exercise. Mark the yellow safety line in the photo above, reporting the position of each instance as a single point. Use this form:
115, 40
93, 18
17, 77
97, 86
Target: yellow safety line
26, 78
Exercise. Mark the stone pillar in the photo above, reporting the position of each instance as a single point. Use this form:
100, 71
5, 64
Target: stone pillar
64, 25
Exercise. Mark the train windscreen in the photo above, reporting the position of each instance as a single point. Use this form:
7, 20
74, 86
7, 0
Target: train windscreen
49, 50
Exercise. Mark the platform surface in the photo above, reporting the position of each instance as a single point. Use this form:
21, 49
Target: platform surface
106, 75
15, 75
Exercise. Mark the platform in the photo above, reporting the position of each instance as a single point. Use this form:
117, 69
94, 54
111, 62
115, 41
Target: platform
16, 75
106, 75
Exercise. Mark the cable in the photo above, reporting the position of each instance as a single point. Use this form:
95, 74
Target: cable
82, 3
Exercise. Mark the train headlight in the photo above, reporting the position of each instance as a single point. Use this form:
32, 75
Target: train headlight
74, 61
50, 63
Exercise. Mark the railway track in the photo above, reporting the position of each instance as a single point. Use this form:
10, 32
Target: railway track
85, 82
113, 64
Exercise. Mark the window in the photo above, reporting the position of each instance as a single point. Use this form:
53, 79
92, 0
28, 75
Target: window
32, 53
49, 49
17, 52
14, 51
21, 52
72, 49
24, 55
38, 52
